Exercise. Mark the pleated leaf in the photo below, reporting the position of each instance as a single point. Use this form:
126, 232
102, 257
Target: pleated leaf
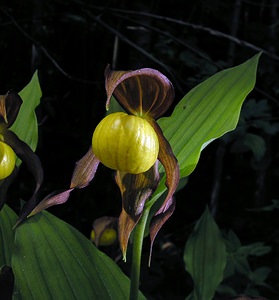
207, 112
205, 257
7, 220
26, 126
52, 260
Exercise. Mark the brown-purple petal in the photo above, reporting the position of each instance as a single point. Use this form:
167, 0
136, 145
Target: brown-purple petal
50, 200
85, 170
125, 226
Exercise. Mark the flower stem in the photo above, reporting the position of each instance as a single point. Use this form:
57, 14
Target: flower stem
136, 255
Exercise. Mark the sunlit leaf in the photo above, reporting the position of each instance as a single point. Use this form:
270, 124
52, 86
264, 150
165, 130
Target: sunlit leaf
205, 257
52, 260
207, 112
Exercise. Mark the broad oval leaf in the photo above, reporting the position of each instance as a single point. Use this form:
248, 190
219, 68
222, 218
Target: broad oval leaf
205, 257
52, 260
207, 112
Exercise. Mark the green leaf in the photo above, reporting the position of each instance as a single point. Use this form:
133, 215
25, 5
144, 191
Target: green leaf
7, 220
241, 265
250, 142
256, 249
52, 260
271, 207
207, 112
226, 289
26, 125
260, 275
205, 257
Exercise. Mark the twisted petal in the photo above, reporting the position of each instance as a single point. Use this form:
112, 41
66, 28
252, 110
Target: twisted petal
135, 190
24, 152
143, 92
85, 170
169, 161
83, 173
50, 200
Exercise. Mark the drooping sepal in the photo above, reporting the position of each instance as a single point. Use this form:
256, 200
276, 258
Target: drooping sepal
143, 92
135, 191
125, 226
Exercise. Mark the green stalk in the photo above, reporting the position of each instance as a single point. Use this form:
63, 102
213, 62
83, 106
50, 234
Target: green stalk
136, 255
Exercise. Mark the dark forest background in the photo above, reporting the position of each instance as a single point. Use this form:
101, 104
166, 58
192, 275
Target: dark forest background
71, 42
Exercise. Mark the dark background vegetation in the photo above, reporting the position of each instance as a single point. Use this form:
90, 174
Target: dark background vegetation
71, 42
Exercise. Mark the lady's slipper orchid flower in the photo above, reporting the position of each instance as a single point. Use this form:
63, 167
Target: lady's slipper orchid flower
132, 143
10, 146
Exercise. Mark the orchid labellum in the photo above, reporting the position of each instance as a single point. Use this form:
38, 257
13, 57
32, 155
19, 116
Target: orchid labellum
131, 143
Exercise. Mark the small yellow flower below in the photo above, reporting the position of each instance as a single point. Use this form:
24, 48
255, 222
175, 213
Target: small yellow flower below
107, 238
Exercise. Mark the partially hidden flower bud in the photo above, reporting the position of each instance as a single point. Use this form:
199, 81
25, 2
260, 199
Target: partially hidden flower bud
104, 231
7, 160
126, 143
107, 238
